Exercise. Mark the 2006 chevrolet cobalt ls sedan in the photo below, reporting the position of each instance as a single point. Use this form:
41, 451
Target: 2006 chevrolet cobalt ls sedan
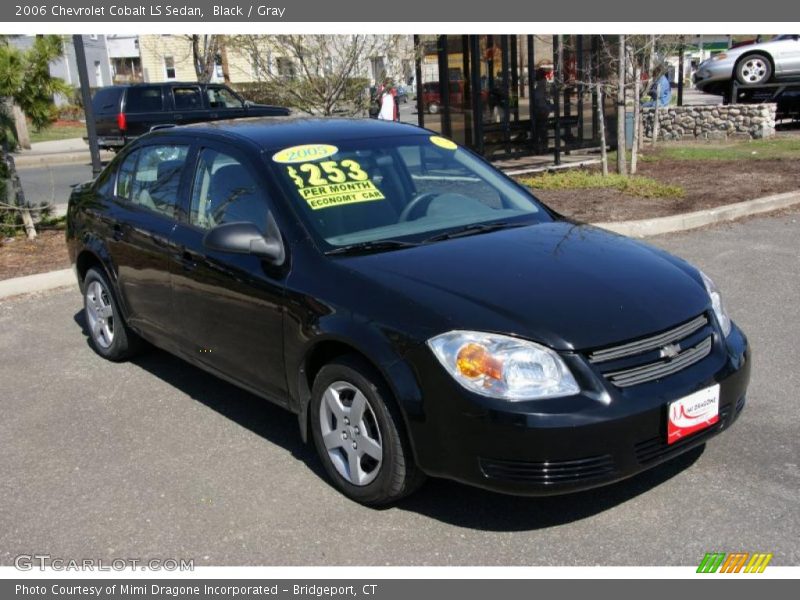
419, 311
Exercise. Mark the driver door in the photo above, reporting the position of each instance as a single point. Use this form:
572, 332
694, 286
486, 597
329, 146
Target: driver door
230, 306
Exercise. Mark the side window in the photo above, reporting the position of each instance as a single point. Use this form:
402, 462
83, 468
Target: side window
125, 176
158, 174
225, 191
144, 99
187, 98
220, 97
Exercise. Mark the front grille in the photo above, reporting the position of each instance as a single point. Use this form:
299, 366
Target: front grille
658, 448
648, 359
548, 472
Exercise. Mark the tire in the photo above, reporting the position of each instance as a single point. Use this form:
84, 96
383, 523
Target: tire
754, 69
383, 470
109, 335
433, 108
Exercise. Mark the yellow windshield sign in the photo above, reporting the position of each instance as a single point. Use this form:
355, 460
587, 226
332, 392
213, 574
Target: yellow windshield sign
333, 183
304, 153
442, 142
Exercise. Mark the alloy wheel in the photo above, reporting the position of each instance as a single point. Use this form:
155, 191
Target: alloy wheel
350, 433
754, 69
100, 314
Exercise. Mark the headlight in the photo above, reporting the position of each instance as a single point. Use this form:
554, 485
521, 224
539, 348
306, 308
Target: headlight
503, 367
716, 303
719, 56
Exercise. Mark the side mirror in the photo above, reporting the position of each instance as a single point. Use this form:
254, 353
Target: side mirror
245, 238
248, 103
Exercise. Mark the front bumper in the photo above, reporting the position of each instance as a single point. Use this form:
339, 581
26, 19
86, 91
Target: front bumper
562, 445
711, 77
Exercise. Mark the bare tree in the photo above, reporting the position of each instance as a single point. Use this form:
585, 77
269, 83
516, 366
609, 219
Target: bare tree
621, 154
637, 113
205, 51
601, 119
323, 74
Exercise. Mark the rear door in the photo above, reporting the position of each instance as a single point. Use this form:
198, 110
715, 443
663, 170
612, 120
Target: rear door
106, 106
188, 105
229, 306
147, 194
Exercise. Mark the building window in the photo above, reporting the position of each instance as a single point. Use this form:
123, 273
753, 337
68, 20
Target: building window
286, 68
169, 67
98, 74
93, 37
378, 65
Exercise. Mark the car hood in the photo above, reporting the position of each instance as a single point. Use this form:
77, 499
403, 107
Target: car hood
565, 285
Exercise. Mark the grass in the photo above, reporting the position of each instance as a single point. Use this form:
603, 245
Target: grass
769, 149
58, 132
579, 179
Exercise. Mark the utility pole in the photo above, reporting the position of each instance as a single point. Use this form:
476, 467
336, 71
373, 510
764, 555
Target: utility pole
86, 97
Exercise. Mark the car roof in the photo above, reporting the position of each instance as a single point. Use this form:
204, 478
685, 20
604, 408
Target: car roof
279, 132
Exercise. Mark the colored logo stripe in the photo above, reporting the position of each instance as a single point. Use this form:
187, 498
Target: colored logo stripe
734, 562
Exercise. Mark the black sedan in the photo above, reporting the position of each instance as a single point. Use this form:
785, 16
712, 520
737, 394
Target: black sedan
420, 312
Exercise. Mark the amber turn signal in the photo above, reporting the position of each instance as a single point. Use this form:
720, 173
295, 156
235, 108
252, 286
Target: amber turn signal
474, 360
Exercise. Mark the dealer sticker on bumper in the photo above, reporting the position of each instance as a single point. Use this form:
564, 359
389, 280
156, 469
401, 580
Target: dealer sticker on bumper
692, 413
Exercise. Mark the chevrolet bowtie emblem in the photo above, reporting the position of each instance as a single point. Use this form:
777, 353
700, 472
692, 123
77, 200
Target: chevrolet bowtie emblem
670, 351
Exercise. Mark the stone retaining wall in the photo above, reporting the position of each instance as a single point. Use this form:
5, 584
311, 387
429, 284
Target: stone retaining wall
715, 122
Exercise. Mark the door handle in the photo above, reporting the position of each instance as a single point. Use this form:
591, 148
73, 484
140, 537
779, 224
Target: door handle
117, 232
178, 116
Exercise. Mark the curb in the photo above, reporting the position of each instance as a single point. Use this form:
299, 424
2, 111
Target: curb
56, 158
640, 229
37, 283
701, 218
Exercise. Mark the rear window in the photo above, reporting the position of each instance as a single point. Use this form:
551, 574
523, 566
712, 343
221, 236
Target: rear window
144, 99
106, 100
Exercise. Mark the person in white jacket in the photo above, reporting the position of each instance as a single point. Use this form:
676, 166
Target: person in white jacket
387, 112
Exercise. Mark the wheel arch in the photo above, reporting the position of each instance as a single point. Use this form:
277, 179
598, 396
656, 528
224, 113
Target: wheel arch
394, 372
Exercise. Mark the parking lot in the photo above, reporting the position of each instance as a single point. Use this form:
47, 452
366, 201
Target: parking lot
155, 458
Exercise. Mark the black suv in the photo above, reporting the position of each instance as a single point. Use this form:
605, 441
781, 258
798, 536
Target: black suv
124, 112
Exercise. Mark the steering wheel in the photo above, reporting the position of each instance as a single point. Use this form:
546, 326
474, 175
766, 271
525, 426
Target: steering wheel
415, 202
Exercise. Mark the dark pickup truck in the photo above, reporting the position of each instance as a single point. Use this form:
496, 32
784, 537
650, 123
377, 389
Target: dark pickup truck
124, 112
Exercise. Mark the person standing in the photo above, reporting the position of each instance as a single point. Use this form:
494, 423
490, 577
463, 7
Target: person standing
541, 111
388, 104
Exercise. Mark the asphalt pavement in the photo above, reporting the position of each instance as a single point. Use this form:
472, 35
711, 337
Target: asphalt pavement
53, 183
154, 458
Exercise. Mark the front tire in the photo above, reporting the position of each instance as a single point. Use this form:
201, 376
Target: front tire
754, 69
110, 336
357, 430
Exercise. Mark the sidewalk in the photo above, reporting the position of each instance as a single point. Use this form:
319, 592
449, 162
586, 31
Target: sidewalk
72, 150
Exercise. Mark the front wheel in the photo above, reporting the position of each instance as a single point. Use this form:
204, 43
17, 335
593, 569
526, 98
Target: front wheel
433, 108
754, 69
358, 434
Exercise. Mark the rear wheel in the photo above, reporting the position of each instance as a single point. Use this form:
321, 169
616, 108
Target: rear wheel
433, 108
108, 332
754, 69
358, 434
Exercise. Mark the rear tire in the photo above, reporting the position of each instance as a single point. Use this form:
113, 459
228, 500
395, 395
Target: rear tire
753, 69
359, 436
110, 336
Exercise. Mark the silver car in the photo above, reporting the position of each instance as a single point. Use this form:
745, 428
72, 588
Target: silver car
752, 64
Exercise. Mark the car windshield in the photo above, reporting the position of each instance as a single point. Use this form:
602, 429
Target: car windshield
410, 189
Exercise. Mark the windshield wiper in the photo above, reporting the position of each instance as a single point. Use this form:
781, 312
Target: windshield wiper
375, 246
473, 229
